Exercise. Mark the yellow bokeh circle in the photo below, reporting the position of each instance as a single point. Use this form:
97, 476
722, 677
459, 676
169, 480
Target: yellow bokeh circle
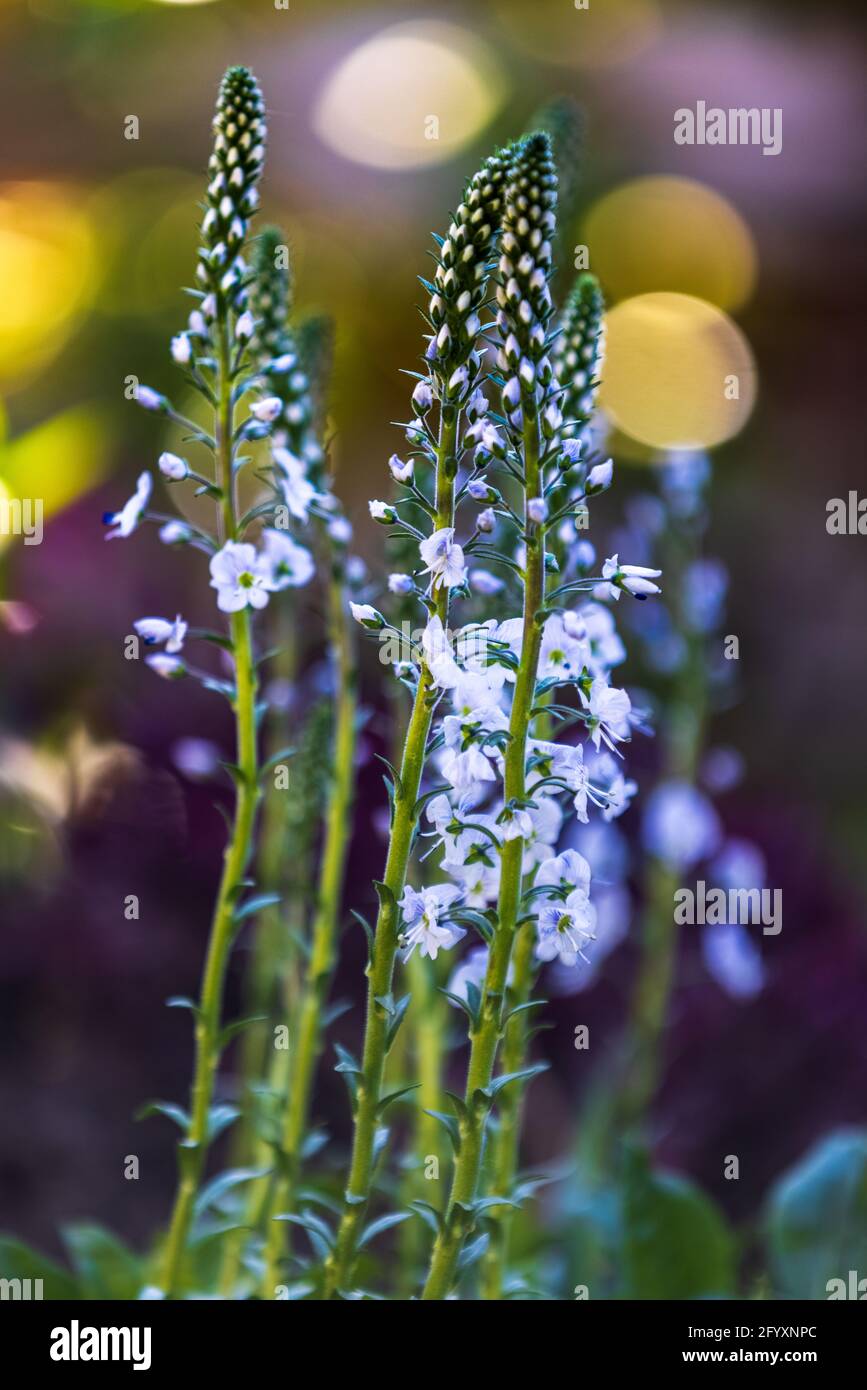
413, 95
665, 233
678, 374
46, 270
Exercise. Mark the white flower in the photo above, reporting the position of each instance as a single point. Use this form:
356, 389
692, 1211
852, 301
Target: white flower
599, 478
400, 471
546, 819
465, 762
444, 560
426, 913
596, 622
381, 511
565, 928
149, 399
422, 397
400, 584
635, 579
486, 522
477, 405
515, 824
240, 576
340, 530
173, 468
572, 449
159, 631
680, 825
245, 326
175, 533
266, 410
619, 793
169, 667
289, 565
537, 510
181, 349
607, 707
562, 653
568, 872
439, 656
127, 519
297, 490
367, 616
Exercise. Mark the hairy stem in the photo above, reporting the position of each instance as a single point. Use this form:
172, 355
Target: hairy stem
486, 1035
319, 971
380, 971
192, 1151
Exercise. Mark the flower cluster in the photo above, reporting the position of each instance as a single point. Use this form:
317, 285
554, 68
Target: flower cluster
473, 670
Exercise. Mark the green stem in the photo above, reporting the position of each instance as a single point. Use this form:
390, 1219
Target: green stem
273, 947
320, 969
192, 1151
504, 1161
380, 971
486, 1035
429, 1026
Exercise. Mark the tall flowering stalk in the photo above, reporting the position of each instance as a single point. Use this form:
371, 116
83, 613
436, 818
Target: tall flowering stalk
577, 357
303, 486
502, 817
684, 651
291, 809
215, 352
444, 393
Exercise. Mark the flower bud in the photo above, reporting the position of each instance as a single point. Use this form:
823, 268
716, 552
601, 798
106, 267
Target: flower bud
173, 468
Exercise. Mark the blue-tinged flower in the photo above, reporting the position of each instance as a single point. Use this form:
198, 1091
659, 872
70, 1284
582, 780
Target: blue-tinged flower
149, 399
680, 825
599, 477
444, 559
131, 513
635, 579
609, 710
485, 583
382, 512
161, 632
295, 487
173, 467
565, 929
168, 667
181, 349
567, 873
288, 565
426, 915
400, 471
175, 533
241, 577
367, 616
267, 410
733, 959
470, 971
